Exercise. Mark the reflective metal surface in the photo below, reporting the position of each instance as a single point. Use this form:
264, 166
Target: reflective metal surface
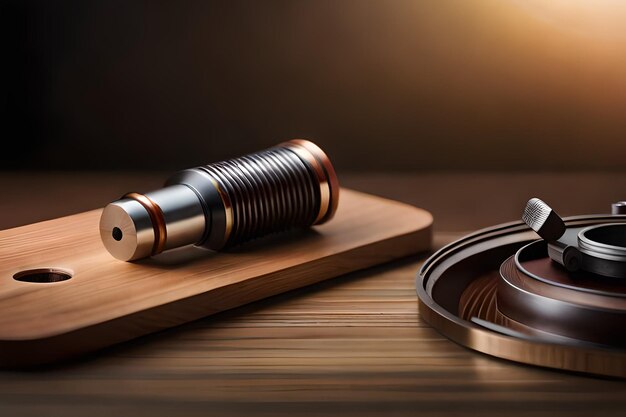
471, 266
225, 203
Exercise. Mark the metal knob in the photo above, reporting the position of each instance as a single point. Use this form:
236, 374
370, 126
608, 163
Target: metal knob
618, 208
225, 203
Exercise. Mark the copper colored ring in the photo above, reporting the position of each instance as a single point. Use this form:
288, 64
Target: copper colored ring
329, 183
156, 217
228, 207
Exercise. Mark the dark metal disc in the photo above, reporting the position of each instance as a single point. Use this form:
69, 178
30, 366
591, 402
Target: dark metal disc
458, 296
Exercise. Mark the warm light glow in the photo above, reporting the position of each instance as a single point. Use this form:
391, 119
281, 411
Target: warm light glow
603, 18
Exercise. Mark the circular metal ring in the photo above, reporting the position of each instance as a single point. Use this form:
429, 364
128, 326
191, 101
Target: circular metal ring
157, 218
605, 241
449, 272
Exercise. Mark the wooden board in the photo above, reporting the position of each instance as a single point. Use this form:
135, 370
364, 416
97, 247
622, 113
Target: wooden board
107, 301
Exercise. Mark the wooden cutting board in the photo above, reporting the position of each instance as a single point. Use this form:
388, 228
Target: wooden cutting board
107, 301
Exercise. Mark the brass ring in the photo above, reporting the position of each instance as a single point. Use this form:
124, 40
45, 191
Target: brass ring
228, 208
329, 184
156, 217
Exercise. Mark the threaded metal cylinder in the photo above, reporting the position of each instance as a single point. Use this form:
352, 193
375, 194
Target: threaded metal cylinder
226, 203
270, 191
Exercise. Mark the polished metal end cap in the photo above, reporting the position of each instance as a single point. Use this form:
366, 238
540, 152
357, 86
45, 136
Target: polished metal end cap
126, 230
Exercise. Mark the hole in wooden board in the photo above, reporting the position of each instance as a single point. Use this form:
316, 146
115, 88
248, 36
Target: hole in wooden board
43, 275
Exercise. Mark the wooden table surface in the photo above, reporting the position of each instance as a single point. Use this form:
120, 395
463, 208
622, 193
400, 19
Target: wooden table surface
354, 345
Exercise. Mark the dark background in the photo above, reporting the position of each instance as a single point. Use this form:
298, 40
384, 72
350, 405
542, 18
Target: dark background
381, 85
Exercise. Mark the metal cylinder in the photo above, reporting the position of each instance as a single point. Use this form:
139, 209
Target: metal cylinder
618, 208
226, 203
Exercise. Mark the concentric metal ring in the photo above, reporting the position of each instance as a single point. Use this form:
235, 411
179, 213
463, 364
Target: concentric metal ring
601, 241
157, 218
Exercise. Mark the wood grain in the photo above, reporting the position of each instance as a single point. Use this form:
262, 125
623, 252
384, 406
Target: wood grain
354, 345
108, 301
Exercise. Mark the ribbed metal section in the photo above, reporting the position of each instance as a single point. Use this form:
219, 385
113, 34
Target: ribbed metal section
270, 191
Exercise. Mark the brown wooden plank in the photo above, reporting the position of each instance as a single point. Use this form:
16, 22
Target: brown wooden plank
107, 301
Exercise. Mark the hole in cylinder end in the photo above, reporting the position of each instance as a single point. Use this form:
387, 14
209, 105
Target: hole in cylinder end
42, 275
117, 234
